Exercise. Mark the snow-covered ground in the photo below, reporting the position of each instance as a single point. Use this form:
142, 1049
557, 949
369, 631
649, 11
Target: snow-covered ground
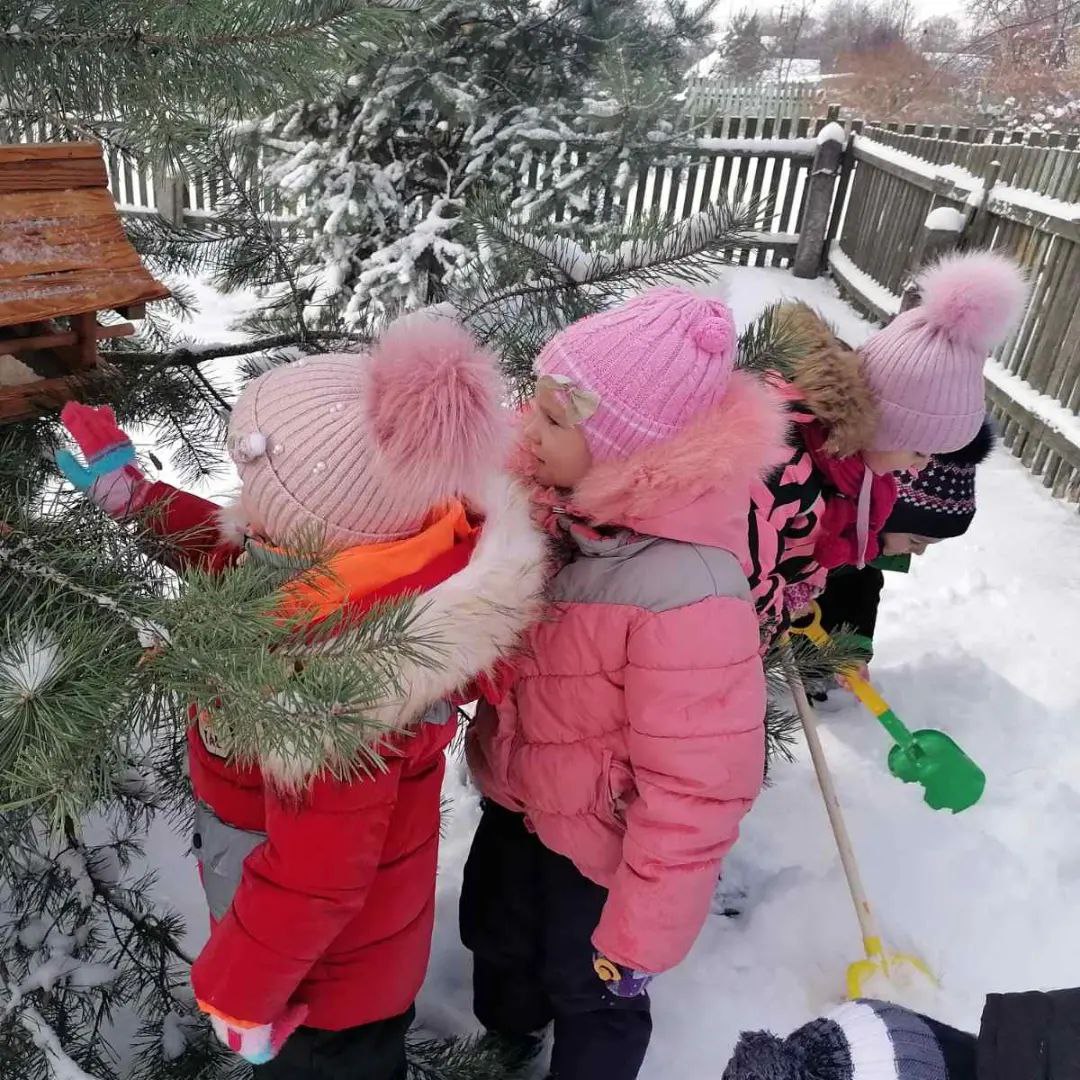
981, 640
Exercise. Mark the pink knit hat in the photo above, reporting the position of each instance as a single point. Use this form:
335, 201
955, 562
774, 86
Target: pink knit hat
650, 366
352, 449
926, 367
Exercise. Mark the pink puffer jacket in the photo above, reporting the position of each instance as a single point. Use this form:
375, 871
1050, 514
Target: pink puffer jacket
633, 738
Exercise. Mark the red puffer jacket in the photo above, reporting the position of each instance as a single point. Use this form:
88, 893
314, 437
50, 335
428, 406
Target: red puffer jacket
322, 891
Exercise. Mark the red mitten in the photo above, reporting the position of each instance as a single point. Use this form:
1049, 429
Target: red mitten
110, 476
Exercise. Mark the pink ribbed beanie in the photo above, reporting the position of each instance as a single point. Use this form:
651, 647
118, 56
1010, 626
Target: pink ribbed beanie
655, 362
926, 367
349, 449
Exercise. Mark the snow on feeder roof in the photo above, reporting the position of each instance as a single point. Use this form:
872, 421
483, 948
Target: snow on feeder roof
63, 256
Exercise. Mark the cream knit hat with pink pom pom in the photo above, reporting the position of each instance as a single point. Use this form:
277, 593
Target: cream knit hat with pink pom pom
350, 449
655, 363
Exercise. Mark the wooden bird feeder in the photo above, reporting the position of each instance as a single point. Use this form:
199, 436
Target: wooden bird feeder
63, 258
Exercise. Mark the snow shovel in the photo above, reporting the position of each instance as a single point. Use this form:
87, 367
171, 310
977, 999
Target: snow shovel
862, 975
949, 778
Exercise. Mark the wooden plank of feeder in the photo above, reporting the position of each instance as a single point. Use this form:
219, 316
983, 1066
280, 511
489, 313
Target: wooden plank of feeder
85, 326
33, 399
62, 338
46, 232
45, 296
51, 167
15, 152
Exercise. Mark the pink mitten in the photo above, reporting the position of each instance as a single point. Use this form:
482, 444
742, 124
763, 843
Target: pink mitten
256, 1043
110, 476
798, 597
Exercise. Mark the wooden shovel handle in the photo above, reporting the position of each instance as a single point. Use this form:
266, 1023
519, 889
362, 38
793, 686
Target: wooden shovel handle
863, 911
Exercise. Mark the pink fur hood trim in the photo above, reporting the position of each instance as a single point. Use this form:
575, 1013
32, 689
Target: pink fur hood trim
695, 487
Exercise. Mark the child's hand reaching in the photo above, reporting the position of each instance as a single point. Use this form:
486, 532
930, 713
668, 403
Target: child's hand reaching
860, 672
110, 476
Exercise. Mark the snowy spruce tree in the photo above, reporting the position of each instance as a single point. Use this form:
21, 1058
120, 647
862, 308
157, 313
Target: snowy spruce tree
745, 55
499, 98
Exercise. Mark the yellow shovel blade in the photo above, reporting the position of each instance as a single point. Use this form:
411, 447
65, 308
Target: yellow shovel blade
864, 977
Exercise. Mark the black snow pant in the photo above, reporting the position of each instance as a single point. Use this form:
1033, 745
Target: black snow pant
528, 917
368, 1052
851, 599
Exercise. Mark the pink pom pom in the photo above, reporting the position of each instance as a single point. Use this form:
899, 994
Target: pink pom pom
432, 401
716, 334
975, 299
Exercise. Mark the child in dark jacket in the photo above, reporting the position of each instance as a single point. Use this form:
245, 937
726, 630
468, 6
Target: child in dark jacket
934, 505
912, 390
321, 883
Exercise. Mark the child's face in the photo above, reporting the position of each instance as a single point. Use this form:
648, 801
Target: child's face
905, 543
556, 443
882, 462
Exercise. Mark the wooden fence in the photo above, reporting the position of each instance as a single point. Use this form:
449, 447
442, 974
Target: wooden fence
1019, 199
730, 97
1016, 192
766, 162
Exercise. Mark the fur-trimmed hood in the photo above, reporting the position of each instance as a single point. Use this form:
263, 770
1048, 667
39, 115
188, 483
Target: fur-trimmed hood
473, 620
695, 487
829, 380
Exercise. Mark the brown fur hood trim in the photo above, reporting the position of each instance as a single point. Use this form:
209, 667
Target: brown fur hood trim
830, 380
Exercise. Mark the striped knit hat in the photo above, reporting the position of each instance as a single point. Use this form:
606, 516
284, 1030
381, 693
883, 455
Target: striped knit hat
648, 367
349, 449
861, 1040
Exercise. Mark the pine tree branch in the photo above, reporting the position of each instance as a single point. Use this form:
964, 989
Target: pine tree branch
64, 121
107, 894
9, 557
136, 39
191, 356
208, 386
48, 1042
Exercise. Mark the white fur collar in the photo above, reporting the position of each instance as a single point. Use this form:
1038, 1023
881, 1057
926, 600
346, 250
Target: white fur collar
476, 616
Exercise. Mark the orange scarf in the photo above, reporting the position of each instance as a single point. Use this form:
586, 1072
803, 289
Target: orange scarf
352, 574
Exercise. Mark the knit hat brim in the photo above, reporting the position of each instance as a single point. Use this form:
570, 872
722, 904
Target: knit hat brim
935, 522
900, 428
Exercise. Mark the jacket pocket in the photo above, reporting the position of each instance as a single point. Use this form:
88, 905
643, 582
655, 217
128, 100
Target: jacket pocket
616, 790
221, 850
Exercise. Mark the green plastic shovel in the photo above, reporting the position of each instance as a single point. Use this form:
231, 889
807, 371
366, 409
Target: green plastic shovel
949, 778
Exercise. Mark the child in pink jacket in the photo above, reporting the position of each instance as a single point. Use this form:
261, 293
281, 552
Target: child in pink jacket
617, 770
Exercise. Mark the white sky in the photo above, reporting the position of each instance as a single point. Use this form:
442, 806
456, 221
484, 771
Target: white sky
922, 9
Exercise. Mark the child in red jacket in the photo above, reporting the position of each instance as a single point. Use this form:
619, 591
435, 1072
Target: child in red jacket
321, 890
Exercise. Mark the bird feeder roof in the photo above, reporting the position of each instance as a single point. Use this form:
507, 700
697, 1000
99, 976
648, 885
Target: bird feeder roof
63, 250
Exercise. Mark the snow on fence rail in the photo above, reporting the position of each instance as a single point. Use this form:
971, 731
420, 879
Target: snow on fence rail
1020, 199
